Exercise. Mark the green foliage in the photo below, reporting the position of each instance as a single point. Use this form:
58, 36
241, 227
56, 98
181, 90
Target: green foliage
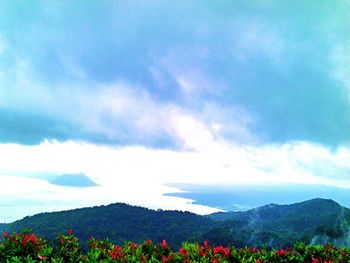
24, 247
119, 223
27, 247
282, 225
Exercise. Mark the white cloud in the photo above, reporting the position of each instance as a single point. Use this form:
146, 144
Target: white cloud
121, 111
185, 67
3, 46
257, 38
340, 59
72, 66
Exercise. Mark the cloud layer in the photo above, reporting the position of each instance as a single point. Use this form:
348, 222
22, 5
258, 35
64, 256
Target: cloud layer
269, 72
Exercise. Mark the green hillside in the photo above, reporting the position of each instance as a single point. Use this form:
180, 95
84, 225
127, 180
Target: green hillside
313, 221
119, 222
320, 220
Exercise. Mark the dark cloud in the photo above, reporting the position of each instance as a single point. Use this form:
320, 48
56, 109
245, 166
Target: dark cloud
269, 58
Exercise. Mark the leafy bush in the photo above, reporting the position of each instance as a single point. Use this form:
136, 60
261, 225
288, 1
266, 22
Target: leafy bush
27, 247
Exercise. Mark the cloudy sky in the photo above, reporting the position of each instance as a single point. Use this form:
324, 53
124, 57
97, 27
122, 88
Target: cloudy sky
139, 94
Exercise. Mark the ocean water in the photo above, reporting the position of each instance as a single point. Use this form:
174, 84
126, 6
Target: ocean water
24, 196
244, 197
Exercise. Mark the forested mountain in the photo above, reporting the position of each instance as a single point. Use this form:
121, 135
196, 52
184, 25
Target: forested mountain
119, 222
317, 221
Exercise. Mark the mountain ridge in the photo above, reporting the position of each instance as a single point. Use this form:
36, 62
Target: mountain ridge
312, 221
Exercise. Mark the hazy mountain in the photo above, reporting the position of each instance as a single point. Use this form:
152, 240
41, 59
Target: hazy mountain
75, 180
317, 220
313, 221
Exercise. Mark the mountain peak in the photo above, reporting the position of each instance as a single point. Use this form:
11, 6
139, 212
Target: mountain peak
73, 180
319, 203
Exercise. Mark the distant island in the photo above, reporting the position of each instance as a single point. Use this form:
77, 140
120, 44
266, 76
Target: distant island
73, 180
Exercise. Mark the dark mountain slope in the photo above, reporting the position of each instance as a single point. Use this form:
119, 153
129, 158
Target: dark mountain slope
118, 222
283, 224
316, 220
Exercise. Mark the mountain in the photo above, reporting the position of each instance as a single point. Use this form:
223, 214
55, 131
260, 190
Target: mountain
119, 222
313, 221
74, 180
317, 220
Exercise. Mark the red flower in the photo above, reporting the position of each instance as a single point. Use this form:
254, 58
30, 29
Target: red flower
183, 252
41, 257
4, 234
70, 231
281, 252
116, 253
29, 238
164, 244
222, 250
133, 245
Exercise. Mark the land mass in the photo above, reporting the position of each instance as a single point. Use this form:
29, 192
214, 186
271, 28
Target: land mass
314, 221
74, 180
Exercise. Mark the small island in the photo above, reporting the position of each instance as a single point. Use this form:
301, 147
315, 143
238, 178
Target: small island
73, 180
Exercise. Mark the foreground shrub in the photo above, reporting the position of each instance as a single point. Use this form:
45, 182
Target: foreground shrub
24, 247
27, 247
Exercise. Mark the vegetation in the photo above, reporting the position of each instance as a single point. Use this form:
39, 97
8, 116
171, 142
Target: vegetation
119, 223
28, 247
316, 221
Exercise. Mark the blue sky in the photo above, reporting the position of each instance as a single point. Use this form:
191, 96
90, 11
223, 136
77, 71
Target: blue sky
265, 82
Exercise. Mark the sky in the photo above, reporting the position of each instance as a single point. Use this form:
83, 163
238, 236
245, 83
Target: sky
138, 95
